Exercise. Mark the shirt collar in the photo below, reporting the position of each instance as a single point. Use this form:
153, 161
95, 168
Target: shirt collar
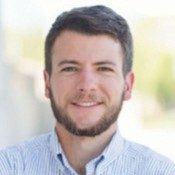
114, 148
58, 152
110, 153
54, 146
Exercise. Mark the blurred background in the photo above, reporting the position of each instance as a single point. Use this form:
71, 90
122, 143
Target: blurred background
148, 118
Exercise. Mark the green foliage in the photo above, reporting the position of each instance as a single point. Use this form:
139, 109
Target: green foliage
165, 84
154, 63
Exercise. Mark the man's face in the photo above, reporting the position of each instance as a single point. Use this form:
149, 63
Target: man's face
86, 86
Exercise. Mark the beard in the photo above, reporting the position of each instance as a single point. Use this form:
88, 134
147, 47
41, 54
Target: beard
110, 116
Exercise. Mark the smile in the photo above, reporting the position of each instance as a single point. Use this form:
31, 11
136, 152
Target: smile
86, 104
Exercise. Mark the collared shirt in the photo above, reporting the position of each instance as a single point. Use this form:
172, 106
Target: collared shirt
43, 155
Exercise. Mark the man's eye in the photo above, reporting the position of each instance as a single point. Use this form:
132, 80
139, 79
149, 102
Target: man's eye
69, 69
107, 69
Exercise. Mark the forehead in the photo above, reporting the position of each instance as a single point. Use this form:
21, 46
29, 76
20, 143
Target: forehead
86, 48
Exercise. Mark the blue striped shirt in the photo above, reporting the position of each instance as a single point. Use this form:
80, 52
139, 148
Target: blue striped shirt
43, 155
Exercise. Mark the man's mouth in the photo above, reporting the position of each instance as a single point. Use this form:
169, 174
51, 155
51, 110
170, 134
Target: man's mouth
86, 104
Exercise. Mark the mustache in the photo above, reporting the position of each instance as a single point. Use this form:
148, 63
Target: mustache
92, 96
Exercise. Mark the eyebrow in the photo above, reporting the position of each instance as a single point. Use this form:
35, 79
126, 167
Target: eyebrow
105, 62
96, 63
67, 62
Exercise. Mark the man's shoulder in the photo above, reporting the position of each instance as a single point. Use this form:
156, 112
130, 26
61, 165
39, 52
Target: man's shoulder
34, 144
148, 158
144, 152
22, 152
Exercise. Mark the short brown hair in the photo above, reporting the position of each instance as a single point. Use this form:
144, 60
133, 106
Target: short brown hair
92, 20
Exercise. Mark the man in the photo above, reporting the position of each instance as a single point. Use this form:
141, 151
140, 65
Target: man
88, 74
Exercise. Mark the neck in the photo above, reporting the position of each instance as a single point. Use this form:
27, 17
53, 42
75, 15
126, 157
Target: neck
80, 150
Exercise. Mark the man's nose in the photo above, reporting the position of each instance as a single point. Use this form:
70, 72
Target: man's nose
87, 81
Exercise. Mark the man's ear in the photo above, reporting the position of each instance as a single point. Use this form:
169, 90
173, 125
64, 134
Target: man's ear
129, 81
47, 83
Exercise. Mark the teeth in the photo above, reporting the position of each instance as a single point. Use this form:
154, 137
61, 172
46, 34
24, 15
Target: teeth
86, 104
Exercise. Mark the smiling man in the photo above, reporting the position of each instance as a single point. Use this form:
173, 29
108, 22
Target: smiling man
88, 75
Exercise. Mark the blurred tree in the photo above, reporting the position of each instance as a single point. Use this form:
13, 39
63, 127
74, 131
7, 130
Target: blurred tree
153, 61
165, 85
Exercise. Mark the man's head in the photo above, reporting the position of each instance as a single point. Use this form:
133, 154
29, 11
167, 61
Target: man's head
88, 73
93, 20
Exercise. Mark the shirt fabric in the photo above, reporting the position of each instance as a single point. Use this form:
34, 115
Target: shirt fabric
43, 155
